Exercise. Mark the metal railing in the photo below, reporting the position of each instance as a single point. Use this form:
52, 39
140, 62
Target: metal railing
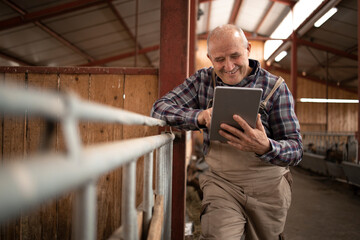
27, 184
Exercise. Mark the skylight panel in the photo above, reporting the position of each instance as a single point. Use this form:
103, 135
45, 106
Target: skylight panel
293, 20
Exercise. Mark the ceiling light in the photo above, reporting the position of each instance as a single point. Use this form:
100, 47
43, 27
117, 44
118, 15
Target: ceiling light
302, 10
280, 56
324, 100
325, 17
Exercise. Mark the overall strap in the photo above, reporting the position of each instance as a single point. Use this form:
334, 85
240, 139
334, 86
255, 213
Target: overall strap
210, 103
213, 78
276, 86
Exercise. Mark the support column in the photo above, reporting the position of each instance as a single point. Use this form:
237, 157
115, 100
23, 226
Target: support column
358, 131
174, 68
193, 37
174, 44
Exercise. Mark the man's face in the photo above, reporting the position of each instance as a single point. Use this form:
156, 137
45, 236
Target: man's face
230, 58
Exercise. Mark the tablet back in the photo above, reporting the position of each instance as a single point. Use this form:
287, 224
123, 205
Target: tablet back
234, 100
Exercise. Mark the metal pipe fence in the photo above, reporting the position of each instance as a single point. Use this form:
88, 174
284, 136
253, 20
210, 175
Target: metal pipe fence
27, 184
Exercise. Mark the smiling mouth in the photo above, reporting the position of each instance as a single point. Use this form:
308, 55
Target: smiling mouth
233, 71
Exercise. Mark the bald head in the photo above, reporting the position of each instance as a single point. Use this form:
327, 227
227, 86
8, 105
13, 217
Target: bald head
225, 32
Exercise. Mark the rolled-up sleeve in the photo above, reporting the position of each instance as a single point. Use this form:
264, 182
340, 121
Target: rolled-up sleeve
180, 107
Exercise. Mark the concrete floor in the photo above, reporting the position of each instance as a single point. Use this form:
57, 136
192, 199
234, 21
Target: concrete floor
321, 208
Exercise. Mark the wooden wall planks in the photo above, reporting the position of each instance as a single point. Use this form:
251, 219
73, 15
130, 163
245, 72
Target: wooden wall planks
313, 116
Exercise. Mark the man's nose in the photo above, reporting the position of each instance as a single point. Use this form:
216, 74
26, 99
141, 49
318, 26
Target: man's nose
229, 65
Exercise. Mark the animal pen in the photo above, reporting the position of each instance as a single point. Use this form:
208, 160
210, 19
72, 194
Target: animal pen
73, 164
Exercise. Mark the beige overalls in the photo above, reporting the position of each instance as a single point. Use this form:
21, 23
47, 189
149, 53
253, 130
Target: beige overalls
242, 195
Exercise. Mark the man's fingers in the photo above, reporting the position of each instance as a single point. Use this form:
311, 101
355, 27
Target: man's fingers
243, 124
228, 136
259, 123
236, 132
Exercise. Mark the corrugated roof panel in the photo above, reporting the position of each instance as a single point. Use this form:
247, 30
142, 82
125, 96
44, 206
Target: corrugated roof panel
21, 36
35, 48
94, 32
126, 8
146, 14
80, 19
149, 28
70, 59
130, 62
111, 48
32, 6
144, 19
347, 11
250, 12
276, 15
347, 30
4, 62
154, 57
220, 13
6, 12
150, 39
330, 39
50, 55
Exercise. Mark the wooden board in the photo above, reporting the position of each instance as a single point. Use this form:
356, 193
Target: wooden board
107, 90
78, 84
40, 224
13, 148
157, 219
141, 91
313, 116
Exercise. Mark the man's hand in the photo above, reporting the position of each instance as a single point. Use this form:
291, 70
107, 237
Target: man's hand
204, 117
249, 140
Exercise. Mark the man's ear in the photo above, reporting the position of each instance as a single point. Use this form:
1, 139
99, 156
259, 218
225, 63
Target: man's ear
210, 59
248, 48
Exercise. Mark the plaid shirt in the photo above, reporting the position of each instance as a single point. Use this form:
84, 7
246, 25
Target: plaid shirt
181, 106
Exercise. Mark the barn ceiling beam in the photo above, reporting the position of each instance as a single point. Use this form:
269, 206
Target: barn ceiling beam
331, 60
101, 62
48, 12
328, 49
289, 3
50, 31
235, 11
126, 27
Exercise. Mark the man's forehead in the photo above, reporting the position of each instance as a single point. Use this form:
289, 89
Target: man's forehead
223, 54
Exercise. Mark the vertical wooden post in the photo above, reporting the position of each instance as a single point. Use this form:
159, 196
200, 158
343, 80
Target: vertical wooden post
174, 47
174, 68
358, 131
192, 43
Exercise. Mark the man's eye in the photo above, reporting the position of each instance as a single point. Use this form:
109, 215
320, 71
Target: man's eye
235, 56
219, 60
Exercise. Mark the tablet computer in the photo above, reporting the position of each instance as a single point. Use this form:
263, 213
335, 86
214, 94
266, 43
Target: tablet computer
228, 101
